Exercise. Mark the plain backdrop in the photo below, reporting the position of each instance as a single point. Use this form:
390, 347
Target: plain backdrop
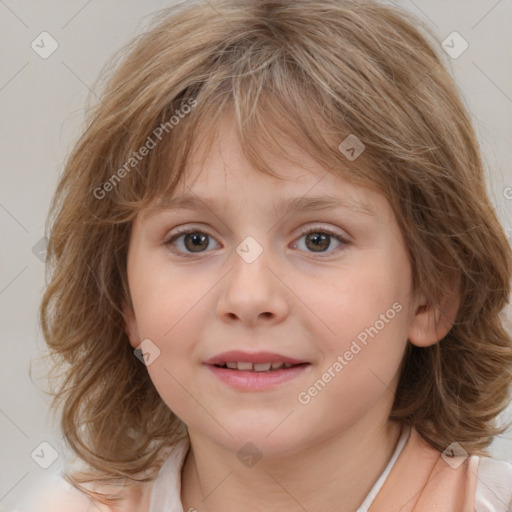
42, 102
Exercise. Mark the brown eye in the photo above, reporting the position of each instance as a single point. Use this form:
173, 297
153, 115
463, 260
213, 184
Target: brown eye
190, 241
196, 242
319, 240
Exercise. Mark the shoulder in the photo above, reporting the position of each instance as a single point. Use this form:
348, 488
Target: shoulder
54, 494
494, 486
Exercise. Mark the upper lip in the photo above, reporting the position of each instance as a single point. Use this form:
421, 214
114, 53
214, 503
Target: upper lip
255, 358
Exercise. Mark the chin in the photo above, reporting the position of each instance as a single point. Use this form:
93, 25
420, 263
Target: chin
255, 440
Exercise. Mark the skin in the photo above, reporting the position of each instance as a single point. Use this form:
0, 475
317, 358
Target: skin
291, 300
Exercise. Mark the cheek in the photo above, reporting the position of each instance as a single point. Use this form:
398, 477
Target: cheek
164, 298
365, 321
357, 298
175, 373
360, 362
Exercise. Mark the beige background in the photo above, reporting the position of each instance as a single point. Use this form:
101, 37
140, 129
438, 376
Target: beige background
42, 103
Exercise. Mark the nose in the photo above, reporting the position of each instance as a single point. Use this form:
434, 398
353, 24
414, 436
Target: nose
253, 292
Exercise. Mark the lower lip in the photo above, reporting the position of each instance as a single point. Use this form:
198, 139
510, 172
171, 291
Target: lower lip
256, 381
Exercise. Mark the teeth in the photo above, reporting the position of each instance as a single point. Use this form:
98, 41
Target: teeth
258, 367
262, 367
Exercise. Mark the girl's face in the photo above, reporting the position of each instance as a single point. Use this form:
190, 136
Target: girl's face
251, 280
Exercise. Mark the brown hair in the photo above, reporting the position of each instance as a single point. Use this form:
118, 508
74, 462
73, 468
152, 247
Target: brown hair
311, 71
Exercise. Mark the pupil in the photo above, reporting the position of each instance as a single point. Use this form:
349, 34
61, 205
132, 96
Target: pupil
196, 242
319, 240
199, 241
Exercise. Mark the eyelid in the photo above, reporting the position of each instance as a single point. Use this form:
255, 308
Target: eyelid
341, 238
344, 239
319, 228
180, 230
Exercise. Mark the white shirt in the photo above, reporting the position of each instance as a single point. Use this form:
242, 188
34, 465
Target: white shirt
493, 494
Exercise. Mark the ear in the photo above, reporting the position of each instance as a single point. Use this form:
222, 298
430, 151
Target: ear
130, 325
431, 324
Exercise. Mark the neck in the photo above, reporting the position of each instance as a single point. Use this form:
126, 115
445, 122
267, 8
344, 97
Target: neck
344, 467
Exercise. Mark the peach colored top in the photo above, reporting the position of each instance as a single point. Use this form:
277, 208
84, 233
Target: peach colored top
417, 478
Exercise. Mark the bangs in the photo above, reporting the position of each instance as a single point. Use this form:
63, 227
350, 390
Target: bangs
275, 114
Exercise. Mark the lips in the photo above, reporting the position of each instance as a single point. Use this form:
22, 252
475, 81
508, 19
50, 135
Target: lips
258, 371
256, 358
257, 379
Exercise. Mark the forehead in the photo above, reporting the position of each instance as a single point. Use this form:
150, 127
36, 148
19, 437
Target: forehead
217, 151
218, 170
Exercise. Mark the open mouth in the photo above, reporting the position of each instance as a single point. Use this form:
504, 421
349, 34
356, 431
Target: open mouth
261, 376
257, 367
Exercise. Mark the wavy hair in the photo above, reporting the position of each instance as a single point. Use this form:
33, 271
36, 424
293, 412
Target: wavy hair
310, 71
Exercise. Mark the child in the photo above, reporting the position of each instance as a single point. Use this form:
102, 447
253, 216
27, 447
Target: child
277, 275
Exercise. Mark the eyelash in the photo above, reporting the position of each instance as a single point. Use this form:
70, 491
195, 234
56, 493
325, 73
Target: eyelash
185, 231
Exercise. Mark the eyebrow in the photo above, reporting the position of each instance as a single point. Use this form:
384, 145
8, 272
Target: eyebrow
298, 204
